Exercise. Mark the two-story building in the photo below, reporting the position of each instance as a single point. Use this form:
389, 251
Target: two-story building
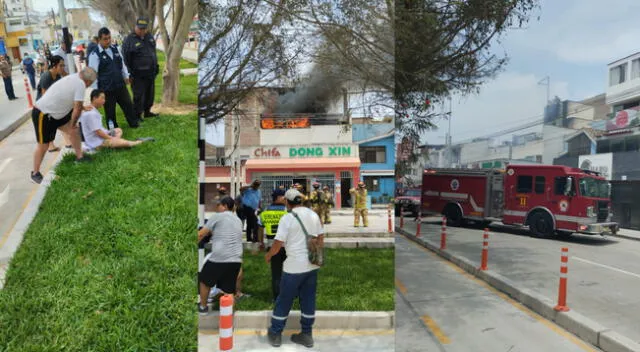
283, 148
376, 140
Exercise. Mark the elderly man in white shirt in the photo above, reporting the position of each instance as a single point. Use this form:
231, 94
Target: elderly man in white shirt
113, 78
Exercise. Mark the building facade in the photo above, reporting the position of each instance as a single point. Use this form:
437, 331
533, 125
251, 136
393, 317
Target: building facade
377, 156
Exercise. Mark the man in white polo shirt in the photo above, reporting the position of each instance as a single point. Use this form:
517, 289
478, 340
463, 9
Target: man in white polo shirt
60, 108
299, 277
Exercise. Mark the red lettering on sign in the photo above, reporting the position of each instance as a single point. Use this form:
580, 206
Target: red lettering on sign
262, 152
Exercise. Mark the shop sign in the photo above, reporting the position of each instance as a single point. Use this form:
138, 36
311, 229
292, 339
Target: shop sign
304, 151
602, 163
266, 152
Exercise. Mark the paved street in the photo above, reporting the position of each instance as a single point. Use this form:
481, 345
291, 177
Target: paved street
325, 341
441, 308
11, 110
603, 278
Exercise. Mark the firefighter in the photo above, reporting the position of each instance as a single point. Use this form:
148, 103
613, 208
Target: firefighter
306, 201
360, 205
316, 199
268, 223
326, 206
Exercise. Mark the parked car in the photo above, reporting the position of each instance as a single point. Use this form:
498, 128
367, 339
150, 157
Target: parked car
408, 199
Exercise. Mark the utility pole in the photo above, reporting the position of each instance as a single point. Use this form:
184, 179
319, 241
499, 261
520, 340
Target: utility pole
65, 36
449, 156
546, 81
26, 10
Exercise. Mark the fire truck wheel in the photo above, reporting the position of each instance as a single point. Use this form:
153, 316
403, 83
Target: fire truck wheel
541, 224
453, 215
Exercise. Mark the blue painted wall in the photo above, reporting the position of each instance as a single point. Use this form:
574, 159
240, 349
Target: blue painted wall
387, 183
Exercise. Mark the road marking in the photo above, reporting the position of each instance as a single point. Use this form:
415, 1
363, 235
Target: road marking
557, 329
401, 287
435, 329
4, 196
4, 164
261, 332
607, 267
5, 236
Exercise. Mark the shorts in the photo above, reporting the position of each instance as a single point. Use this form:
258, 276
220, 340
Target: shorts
221, 275
46, 126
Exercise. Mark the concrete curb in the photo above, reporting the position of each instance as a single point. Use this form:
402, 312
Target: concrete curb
625, 237
348, 243
334, 320
22, 224
572, 321
362, 234
14, 126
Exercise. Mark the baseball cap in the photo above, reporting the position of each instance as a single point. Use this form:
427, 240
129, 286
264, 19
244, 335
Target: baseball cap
292, 194
142, 22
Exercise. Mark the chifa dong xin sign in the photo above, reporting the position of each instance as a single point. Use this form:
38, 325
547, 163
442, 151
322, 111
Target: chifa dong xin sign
304, 151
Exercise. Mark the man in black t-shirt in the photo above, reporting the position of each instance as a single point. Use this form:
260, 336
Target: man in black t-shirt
48, 78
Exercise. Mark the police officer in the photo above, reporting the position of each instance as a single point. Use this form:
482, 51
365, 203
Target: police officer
113, 78
139, 53
268, 222
360, 206
326, 206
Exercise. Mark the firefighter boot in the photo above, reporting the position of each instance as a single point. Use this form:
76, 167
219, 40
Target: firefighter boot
365, 217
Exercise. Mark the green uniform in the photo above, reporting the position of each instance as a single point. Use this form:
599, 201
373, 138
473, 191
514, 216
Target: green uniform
316, 199
360, 207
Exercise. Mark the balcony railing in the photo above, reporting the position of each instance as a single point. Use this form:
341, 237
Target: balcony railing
292, 121
214, 161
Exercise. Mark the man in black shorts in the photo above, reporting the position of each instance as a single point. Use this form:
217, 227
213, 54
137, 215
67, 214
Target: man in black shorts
60, 108
221, 266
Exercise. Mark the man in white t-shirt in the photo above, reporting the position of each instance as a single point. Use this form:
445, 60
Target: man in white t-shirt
60, 108
299, 277
95, 135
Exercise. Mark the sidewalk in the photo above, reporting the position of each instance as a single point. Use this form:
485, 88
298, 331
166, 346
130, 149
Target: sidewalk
14, 112
189, 53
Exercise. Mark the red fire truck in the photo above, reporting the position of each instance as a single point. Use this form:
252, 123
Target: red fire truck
547, 198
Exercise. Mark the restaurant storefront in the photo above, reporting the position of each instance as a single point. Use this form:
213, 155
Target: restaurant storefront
336, 166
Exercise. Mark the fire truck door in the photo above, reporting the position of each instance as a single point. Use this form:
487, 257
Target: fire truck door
496, 197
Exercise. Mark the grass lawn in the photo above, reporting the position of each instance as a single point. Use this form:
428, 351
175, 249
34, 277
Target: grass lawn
352, 280
183, 63
109, 262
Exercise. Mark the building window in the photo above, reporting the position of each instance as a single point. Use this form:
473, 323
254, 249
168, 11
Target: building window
635, 69
373, 183
373, 155
525, 184
15, 22
540, 183
617, 74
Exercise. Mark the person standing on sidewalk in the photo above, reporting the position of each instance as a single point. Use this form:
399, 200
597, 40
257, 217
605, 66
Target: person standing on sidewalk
113, 78
299, 277
139, 53
28, 66
269, 221
5, 69
62, 52
250, 204
60, 108
328, 203
317, 199
49, 77
360, 206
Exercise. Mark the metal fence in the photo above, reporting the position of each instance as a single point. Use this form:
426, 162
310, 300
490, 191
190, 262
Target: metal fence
270, 183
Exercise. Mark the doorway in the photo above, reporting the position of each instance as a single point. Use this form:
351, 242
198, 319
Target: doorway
345, 186
303, 182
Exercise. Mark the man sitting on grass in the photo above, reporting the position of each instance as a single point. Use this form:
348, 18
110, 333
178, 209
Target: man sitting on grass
95, 135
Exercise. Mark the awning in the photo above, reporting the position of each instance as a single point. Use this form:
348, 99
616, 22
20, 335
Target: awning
302, 163
377, 172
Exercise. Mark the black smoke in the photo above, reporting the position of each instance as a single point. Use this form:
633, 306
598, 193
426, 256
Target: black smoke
313, 96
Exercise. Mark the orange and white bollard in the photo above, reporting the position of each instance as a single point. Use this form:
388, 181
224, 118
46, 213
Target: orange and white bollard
485, 250
419, 224
443, 234
389, 223
28, 90
562, 290
226, 323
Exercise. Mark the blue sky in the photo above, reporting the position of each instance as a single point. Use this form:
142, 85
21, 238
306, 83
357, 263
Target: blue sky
573, 42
